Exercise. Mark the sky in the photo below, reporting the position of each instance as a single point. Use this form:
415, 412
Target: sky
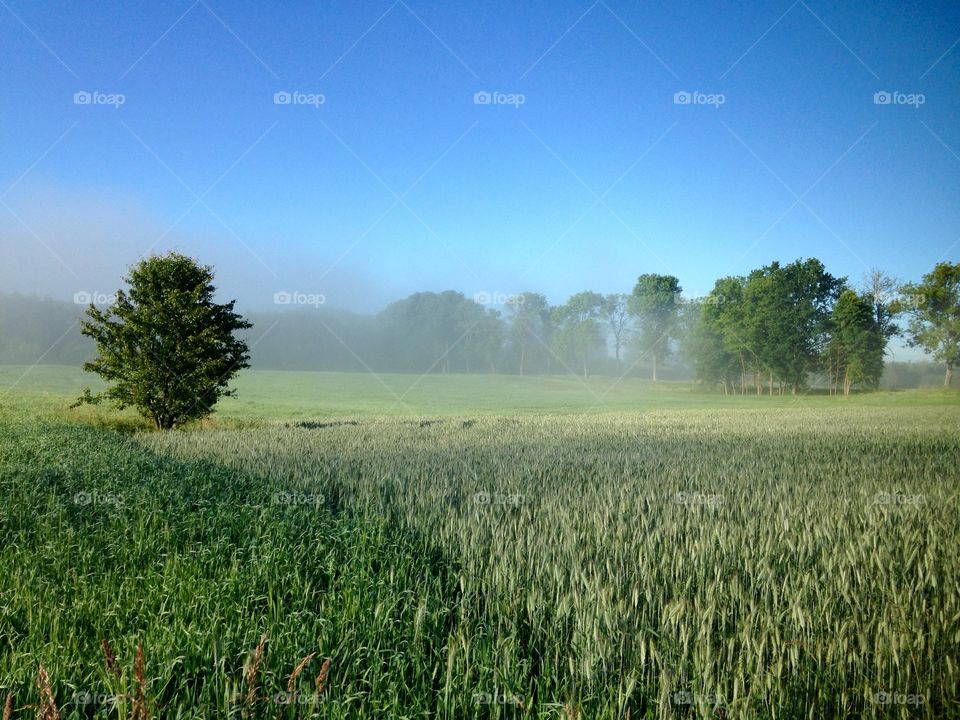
361, 151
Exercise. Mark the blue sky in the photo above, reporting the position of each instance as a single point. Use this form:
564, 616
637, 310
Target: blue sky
400, 181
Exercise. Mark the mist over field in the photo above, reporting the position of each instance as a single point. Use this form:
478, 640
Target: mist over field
414, 359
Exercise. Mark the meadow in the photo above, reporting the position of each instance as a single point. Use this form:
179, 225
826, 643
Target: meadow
669, 554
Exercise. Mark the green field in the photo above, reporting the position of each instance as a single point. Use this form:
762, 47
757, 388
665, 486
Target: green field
277, 395
488, 547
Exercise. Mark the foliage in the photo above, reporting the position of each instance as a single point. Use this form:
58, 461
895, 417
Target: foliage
654, 302
933, 309
857, 342
530, 328
577, 334
166, 347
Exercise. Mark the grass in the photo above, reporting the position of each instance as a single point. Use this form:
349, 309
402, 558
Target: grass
104, 540
277, 395
697, 556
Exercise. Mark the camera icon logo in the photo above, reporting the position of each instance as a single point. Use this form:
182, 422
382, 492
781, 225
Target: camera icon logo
282, 98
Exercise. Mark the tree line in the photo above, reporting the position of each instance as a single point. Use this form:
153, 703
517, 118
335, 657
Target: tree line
777, 329
166, 347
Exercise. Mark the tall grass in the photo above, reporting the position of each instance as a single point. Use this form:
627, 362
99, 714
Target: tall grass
786, 564
142, 584
794, 564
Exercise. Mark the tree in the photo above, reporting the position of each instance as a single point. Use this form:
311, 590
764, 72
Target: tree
857, 343
882, 290
616, 312
787, 318
933, 309
654, 303
165, 347
711, 347
577, 328
529, 323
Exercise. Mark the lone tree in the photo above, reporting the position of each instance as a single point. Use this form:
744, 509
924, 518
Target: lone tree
933, 309
165, 347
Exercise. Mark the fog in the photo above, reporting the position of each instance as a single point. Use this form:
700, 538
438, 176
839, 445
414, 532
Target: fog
313, 308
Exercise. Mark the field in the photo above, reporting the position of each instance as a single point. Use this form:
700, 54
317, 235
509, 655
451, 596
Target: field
664, 553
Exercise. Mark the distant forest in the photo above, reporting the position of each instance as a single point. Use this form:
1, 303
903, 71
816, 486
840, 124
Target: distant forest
778, 329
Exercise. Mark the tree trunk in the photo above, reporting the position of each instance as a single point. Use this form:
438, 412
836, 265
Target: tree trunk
523, 352
654, 366
949, 376
771, 383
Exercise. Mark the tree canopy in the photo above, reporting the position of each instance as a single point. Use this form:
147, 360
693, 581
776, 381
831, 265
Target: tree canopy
933, 309
164, 346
